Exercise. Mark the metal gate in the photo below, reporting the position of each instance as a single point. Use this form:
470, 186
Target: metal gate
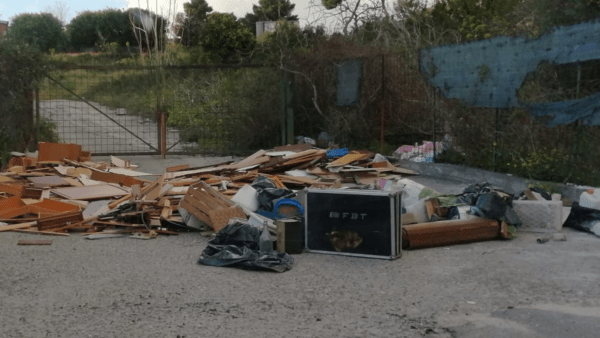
190, 109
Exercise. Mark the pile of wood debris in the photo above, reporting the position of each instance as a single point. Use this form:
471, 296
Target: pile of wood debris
63, 190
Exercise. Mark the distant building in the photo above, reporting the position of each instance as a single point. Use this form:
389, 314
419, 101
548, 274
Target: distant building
269, 26
3, 28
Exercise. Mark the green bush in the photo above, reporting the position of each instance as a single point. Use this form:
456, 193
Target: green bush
41, 30
21, 66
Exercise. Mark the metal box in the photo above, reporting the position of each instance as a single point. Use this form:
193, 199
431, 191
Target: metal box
361, 223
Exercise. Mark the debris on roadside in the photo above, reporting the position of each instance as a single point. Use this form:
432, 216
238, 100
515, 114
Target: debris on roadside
63, 192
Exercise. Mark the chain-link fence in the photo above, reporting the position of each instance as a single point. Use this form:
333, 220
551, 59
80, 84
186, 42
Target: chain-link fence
396, 107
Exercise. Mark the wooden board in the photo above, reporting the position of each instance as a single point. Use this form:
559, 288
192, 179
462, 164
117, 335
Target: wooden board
48, 181
91, 192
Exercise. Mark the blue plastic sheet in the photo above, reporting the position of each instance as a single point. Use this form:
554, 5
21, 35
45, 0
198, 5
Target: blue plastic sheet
489, 73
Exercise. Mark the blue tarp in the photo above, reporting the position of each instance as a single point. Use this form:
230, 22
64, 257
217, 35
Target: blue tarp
489, 73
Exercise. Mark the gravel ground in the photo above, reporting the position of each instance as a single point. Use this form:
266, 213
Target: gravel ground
123, 287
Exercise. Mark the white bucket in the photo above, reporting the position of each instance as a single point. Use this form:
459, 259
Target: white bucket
590, 200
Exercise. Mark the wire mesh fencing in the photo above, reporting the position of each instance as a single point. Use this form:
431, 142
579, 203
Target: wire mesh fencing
115, 110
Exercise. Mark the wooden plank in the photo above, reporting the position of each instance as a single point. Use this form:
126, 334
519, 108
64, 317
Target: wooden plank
17, 226
115, 178
180, 167
347, 159
12, 189
34, 242
59, 220
301, 154
294, 147
36, 232
250, 163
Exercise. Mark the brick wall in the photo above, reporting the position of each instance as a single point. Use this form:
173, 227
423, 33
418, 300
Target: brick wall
3, 28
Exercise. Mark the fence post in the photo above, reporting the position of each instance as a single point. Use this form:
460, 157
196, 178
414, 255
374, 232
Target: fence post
163, 134
382, 113
37, 115
495, 140
434, 124
287, 112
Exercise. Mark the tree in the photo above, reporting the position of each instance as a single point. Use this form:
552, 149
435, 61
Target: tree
349, 12
475, 19
539, 16
188, 25
21, 66
42, 30
96, 29
269, 10
224, 39
92, 29
59, 9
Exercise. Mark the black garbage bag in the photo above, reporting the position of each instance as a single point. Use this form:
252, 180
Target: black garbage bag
487, 203
268, 192
237, 245
583, 219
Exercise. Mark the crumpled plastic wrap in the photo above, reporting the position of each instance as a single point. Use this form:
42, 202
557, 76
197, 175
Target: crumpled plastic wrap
237, 245
486, 202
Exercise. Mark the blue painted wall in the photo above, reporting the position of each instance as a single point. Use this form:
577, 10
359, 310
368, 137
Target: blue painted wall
488, 73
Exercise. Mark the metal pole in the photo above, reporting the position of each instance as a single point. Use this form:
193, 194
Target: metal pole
434, 124
382, 109
495, 139
37, 115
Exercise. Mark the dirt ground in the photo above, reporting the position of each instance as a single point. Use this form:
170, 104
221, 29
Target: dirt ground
124, 287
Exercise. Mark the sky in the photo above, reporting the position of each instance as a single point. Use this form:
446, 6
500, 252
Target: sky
10, 8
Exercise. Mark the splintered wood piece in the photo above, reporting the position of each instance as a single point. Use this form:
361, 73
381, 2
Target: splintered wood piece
77, 172
136, 191
117, 162
17, 226
166, 211
113, 204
